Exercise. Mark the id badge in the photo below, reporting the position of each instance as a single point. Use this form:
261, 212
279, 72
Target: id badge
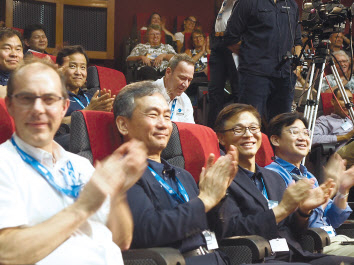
210, 240
329, 229
346, 126
279, 245
272, 204
204, 59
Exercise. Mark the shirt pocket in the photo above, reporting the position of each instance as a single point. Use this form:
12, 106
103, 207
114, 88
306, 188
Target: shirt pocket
266, 16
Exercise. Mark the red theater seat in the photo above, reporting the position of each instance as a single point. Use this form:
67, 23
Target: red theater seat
7, 126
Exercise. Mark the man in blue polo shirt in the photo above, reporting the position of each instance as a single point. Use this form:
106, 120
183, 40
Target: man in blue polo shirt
72, 61
290, 139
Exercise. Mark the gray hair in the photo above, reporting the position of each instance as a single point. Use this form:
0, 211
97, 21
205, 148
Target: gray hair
124, 103
182, 57
343, 53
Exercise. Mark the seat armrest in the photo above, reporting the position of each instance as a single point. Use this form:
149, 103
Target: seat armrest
159, 256
245, 249
315, 239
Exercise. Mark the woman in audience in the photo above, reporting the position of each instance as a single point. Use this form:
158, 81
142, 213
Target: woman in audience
199, 53
189, 25
156, 19
152, 56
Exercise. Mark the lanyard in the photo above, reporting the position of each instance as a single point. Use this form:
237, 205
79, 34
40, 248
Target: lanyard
80, 103
73, 191
173, 107
264, 191
169, 190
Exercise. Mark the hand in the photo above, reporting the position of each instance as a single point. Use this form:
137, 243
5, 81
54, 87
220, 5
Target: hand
145, 61
335, 169
163, 23
317, 196
3, 91
114, 175
347, 181
217, 177
235, 48
294, 194
101, 103
158, 60
207, 48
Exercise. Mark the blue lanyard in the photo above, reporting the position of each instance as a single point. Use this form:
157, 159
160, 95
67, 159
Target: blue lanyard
169, 190
173, 107
73, 191
264, 191
80, 103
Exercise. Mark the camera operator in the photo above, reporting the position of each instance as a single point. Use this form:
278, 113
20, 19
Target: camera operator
268, 30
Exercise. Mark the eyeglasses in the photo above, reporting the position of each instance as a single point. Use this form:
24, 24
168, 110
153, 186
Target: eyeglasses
295, 132
344, 61
198, 37
27, 99
193, 21
241, 130
154, 34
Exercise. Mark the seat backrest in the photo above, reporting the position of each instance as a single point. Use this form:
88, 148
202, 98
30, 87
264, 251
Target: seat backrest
7, 126
42, 55
265, 152
93, 134
103, 77
326, 103
196, 143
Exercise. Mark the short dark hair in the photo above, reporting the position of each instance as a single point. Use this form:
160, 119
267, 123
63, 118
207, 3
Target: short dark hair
27, 32
124, 103
29, 62
180, 57
335, 92
280, 121
69, 50
232, 110
9, 33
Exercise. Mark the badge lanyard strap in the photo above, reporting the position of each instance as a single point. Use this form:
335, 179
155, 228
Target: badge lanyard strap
173, 107
169, 190
264, 191
295, 177
80, 103
75, 189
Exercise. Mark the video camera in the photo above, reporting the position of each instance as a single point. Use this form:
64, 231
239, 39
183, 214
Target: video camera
323, 19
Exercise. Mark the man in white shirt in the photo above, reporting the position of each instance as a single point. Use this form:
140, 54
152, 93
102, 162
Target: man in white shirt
55, 207
177, 79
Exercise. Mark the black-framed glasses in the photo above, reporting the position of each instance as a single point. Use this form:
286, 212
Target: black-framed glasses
241, 130
28, 99
295, 132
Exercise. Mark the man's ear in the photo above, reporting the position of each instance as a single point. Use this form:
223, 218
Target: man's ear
122, 125
221, 138
274, 139
333, 101
26, 42
168, 70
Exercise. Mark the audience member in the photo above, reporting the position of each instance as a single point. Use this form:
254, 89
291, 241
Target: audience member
11, 55
290, 139
177, 79
152, 56
168, 210
341, 60
156, 19
54, 205
266, 35
72, 62
189, 24
337, 127
258, 201
35, 38
222, 65
199, 53
336, 41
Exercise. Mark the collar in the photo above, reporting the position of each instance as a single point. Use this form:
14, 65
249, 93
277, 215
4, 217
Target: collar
336, 116
81, 92
4, 75
42, 156
250, 174
290, 167
163, 168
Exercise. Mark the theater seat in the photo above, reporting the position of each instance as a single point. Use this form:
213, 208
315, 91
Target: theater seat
7, 126
265, 152
99, 77
42, 55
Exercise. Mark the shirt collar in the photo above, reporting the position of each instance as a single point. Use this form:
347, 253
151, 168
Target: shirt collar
81, 92
4, 75
162, 168
290, 167
42, 156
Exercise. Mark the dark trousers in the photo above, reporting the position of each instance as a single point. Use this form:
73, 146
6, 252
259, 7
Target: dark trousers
149, 73
269, 95
222, 68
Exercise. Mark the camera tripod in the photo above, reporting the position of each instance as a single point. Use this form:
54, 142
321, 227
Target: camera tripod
316, 72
